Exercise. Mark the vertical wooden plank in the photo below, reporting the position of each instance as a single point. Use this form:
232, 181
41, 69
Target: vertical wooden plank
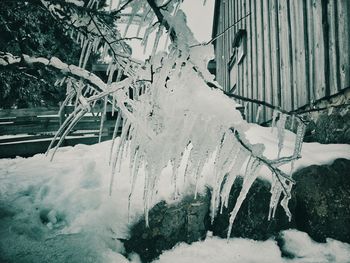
260, 53
224, 70
334, 74
295, 51
285, 46
310, 33
249, 58
254, 60
344, 42
267, 56
238, 87
229, 34
239, 66
275, 53
301, 60
224, 9
244, 64
319, 52
220, 48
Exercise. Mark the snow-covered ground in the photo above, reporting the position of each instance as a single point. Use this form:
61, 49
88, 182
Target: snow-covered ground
61, 211
298, 245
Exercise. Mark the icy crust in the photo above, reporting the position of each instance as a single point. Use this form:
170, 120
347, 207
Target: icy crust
299, 247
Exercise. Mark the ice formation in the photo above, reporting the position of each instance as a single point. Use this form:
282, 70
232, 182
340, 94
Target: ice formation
165, 106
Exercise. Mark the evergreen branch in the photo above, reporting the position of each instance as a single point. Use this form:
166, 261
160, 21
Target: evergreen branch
7, 59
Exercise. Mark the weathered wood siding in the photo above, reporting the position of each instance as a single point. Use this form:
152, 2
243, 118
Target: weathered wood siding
297, 51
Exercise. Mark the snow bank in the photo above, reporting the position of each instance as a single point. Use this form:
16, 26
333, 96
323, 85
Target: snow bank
62, 208
298, 245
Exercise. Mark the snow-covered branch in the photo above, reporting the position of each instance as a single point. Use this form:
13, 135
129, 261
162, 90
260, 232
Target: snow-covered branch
8, 59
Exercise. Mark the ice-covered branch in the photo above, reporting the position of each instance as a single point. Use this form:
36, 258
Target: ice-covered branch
8, 59
272, 165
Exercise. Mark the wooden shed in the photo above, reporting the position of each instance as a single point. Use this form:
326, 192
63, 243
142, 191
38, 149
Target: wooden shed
289, 53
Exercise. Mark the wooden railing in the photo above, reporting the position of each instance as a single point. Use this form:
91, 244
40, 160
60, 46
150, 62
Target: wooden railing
34, 129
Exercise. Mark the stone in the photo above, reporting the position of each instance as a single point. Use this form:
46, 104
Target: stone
320, 206
252, 218
322, 196
185, 221
330, 128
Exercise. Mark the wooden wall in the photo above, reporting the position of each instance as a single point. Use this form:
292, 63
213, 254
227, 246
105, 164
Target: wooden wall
297, 51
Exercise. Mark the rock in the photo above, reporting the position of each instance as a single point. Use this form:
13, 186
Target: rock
252, 218
330, 128
322, 195
186, 221
320, 206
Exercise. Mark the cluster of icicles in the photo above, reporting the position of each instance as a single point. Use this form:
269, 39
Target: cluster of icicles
163, 119
173, 109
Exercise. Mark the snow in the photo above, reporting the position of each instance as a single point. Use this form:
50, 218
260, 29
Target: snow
298, 245
64, 204
62, 208
311, 153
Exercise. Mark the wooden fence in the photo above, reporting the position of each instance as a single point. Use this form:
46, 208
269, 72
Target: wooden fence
293, 52
34, 129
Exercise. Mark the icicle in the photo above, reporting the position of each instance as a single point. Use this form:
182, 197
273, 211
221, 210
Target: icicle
117, 156
167, 39
144, 41
78, 37
111, 73
86, 91
69, 128
105, 50
299, 138
81, 60
96, 44
120, 74
258, 114
133, 182
274, 117
127, 67
249, 177
293, 123
246, 111
87, 55
143, 19
103, 118
113, 104
285, 200
133, 13
115, 132
61, 129
110, 5
298, 144
276, 190
118, 5
281, 132
156, 41
239, 159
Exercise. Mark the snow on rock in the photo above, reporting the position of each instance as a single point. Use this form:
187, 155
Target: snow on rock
311, 153
298, 245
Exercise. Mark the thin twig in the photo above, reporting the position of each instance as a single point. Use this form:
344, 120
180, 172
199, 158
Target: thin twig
223, 32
